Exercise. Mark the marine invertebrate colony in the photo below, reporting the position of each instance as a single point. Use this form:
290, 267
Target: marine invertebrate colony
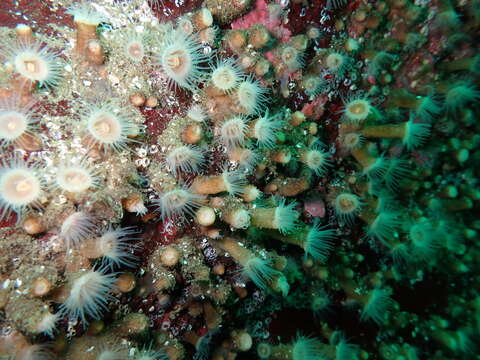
206, 180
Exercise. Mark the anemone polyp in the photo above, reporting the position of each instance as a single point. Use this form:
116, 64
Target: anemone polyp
251, 96
459, 95
292, 58
134, 47
115, 246
226, 75
108, 126
75, 178
260, 272
305, 348
312, 85
336, 63
376, 306
75, 228
178, 204
16, 122
232, 131
181, 58
357, 109
316, 159
424, 239
83, 12
21, 187
47, 324
35, 62
150, 354
347, 206
89, 295
265, 130
352, 140
185, 158
197, 113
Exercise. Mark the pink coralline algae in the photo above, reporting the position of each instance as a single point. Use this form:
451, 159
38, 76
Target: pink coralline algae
268, 15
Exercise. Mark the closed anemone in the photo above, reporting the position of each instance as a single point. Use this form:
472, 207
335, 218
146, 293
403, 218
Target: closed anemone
178, 204
251, 96
34, 62
89, 295
181, 59
21, 187
185, 158
226, 75
305, 348
16, 122
108, 126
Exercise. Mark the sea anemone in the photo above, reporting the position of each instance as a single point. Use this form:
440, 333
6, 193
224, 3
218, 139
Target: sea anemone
34, 62
89, 295
226, 75
251, 96
319, 242
184, 158
316, 159
16, 121
76, 227
396, 171
292, 58
83, 12
312, 85
261, 272
178, 204
459, 95
383, 227
377, 306
150, 354
197, 113
352, 140
234, 181
305, 348
21, 187
415, 133
356, 109
424, 239
110, 352
337, 63
232, 131
134, 46
115, 245
47, 324
108, 126
347, 206
76, 178
265, 130
180, 58
428, 107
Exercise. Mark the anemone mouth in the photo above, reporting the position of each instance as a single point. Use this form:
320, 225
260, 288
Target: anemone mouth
20, 187
289, 55
177, 62
12, 125
105, 127
311, 85
74, 179
357, 110
225, 78
32, 65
